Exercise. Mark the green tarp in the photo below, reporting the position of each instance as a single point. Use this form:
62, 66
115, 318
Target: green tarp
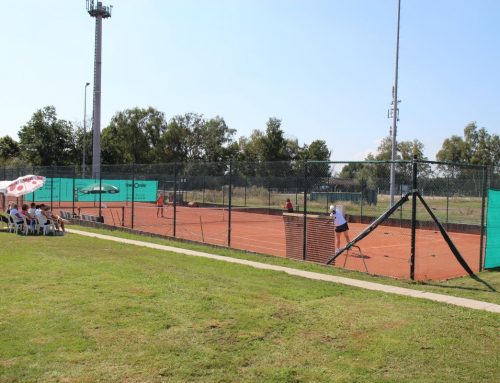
492, 258
85, 190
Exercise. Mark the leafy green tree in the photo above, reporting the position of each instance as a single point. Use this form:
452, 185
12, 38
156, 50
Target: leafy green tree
317, 151
274, 145
9, 149
134, 135
377, 175
215, 140
476, 147
46, 140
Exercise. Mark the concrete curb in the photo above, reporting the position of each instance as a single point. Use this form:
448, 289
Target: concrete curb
462, 302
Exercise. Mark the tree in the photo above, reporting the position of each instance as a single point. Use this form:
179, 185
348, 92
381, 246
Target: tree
377, 175
274, 146
134, 135
317, 151
215, 140
46, 140
9, 149
477, 147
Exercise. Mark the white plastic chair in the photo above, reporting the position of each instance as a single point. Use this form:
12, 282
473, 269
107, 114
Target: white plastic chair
45, 225
49, 227
28, 228
15, 225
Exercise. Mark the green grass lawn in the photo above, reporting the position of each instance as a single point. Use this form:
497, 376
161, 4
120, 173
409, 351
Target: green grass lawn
462, 287
75, 309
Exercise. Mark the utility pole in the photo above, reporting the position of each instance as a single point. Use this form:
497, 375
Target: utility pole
99, 11
84, 129
395, 115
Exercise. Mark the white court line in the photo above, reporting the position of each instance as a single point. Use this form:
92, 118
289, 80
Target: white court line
462, 302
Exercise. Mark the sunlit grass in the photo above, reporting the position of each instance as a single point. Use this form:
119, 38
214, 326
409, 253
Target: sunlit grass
84, 310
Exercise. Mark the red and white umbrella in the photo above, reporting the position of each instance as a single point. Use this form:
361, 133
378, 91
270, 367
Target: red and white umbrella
22, 185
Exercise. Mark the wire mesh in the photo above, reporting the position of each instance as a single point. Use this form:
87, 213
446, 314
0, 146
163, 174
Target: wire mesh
241, 204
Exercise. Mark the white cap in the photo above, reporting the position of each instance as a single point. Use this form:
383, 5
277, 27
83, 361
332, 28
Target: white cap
332, 208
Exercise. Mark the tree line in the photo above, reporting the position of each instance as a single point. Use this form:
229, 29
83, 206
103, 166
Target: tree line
145, 136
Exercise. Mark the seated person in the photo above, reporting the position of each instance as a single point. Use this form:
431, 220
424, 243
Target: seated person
24, 212
16, 215
29, 214
58, 221
40, 216
9, 207
32, 209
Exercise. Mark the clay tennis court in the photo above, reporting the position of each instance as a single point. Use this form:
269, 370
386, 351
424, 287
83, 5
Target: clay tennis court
385, 251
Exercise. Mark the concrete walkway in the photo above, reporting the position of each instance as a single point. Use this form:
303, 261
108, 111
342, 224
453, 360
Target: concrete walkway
463, 302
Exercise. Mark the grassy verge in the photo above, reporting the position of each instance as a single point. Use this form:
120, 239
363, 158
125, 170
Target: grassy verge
76, 309
462, 287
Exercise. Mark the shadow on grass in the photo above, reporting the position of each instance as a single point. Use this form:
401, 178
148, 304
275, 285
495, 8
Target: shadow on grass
475, 277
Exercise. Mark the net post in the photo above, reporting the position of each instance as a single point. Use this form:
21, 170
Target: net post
304, 234
175, 198
413, 216
483, 207
133, 196
229, 206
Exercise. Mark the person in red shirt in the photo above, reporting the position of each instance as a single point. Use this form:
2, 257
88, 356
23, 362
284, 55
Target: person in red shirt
159, 204
288, 206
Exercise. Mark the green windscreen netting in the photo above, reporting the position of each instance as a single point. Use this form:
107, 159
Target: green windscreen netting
492, 258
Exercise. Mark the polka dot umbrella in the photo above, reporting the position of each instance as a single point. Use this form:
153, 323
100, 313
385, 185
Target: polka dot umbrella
22, 185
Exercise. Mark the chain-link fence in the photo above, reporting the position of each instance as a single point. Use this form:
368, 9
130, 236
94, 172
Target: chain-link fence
242, 205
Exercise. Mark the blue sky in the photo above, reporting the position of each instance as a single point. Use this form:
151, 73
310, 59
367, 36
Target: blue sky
325, 67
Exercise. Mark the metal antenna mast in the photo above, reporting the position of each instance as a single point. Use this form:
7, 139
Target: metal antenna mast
97, 10
395, 115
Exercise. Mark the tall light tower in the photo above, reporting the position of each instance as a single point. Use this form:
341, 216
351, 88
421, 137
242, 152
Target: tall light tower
84, 129
99, 11
395, 116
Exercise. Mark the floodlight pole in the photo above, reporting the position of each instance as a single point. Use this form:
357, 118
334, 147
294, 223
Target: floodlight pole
84, 129
97, 10
395, 115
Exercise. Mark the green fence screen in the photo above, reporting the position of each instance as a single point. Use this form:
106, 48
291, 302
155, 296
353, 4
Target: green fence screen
85, 190
492, 258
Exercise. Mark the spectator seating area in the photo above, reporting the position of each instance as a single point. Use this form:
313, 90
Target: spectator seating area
24, 227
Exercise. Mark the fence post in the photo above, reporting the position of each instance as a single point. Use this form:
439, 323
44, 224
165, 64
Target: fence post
175, 198
447, 198
296, 193
51, 187
304, 244
362, 197
413, 216
483, 207
203, 193
269, 198
133, 196
73, 192
101, 220
229, 207
246, 181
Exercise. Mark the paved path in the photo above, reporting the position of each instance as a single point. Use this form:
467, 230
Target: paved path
463, 302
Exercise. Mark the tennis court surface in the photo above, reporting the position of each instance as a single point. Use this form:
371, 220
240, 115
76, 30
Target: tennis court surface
386, 251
